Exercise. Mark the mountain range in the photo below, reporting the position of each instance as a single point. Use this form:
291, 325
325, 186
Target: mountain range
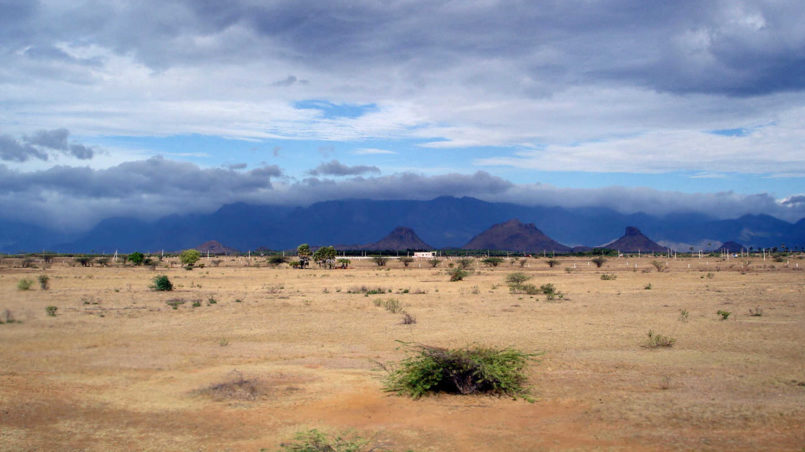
442, 222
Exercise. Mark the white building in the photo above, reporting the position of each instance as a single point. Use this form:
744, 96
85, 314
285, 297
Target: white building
425, 254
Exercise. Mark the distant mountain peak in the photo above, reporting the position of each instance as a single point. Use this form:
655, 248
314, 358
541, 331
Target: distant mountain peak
215, 247
634, 241
513, 235
400, 239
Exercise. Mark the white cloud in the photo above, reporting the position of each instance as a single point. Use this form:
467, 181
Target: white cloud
372, 151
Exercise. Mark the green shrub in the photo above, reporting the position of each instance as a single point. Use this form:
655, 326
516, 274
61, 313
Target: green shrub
724, 314
380, 261
136, 258
24, 284
406, 260
189, 257
516, 279
552, 262
658, 340
757, 312
457, 274
43, 282
598, 261
660, 266
464, 263
51, 310
276, 259
162, 283
609, 276
647, 286
467, 370
316, 441
434, 262
492, 261
85, 261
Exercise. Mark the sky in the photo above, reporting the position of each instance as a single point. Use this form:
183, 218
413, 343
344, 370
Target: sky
148, 108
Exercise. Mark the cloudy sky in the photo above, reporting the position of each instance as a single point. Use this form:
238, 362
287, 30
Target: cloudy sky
153, 107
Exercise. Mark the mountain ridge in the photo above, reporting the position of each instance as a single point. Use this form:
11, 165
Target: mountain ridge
443, 222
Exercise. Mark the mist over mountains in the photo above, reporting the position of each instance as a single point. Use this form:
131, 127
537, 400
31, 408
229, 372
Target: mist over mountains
441, 222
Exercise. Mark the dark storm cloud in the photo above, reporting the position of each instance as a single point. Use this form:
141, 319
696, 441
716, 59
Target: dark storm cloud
12, 150
40, 144
734, 48
78, 197
53, 139
336, 168
157, 187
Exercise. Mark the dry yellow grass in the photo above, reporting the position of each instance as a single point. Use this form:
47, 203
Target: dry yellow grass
118, 368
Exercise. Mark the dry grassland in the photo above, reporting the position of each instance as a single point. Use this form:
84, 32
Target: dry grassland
118, 368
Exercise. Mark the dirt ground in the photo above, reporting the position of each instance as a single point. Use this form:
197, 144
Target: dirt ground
269, 352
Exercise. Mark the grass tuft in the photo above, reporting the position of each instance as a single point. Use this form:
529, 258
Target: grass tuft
316, 441
658, 340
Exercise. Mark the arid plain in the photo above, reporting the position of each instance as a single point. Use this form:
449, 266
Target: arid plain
268, 352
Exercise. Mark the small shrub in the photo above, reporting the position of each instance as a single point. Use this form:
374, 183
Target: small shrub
85, 261
516, 279
212, 300
175, 302
552, 262
316, 441
102, 261
757, 312
408, 319
380, 261
724, 314
608, 276
464, 263
467, 370
24, 284
236, 388
660, 266
273, 260
393, 305
8, 317
658, 340
492, 261
406, 260
457, 274
196, 303
43, 282
238, 300
162, 283
434, 262
683, 315
598, 261
343, 263
51, 310
647, 286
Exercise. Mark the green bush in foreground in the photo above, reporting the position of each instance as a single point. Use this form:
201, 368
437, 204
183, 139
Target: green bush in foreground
467, 370
316, 441
162, 283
